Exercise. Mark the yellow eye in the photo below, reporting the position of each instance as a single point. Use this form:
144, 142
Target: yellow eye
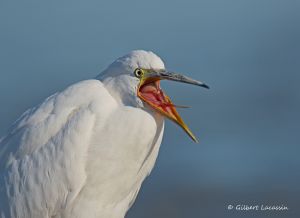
138, 72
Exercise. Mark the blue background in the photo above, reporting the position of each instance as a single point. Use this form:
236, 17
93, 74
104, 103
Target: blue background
248, 122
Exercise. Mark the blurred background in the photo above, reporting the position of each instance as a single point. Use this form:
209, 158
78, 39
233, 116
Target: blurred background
248, 122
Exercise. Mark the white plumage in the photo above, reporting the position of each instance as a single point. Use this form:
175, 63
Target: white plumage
84, 151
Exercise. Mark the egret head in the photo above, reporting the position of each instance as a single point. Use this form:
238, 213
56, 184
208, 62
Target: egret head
134, 80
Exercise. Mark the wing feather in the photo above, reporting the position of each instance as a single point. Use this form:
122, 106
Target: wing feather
44, 152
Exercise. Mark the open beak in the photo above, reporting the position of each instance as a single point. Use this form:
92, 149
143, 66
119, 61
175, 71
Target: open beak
150, 92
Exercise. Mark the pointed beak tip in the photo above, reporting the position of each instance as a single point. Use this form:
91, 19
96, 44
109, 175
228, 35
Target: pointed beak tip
204, 85
196, 140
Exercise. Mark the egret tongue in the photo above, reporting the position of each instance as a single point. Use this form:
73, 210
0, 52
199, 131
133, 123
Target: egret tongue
152, 94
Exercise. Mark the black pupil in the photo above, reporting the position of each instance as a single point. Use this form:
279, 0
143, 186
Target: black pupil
138, 72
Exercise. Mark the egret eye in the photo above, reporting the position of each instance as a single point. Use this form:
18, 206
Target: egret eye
138, 72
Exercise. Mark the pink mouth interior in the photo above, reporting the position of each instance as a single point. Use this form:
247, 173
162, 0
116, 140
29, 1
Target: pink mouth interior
153, 94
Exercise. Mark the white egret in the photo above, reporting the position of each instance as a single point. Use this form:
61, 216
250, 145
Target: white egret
85, 151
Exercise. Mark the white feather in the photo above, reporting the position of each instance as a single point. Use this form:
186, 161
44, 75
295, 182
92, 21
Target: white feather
83, 152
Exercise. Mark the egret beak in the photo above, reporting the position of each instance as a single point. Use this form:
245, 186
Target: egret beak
150, 92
